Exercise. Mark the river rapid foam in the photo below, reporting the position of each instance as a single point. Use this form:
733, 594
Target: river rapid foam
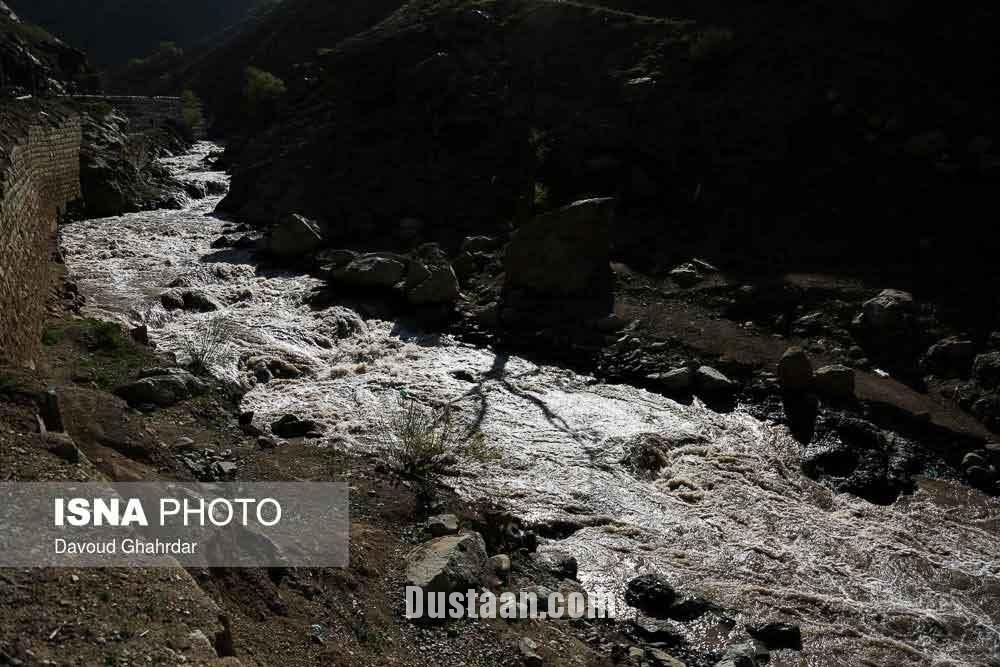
730, 515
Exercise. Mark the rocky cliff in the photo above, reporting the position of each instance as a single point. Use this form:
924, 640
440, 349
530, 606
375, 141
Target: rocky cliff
34, 62
803, 135
39, 177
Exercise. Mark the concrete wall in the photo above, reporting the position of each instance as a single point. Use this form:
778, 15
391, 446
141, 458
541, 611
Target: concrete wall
144, 113
39, 177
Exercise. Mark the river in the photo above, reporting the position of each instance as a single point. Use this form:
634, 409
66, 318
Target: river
730, 516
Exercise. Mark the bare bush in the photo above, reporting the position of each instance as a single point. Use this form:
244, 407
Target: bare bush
422, 444
210, 343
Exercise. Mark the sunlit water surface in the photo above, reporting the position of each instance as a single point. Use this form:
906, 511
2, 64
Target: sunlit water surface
731, 516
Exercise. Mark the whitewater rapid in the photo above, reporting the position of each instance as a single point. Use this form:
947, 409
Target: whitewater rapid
730, 516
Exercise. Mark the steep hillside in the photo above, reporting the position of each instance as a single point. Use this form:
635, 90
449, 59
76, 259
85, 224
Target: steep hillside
113, 31
286, 40
32, 61
792, 134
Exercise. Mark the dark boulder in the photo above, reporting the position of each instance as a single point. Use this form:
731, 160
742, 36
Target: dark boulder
558, 265
651, 593
777, 635
376, 270
795, 371
950, 358
295, 237
291, 426
162, 388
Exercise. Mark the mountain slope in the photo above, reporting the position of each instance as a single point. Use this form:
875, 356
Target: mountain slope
113, 31
34, 62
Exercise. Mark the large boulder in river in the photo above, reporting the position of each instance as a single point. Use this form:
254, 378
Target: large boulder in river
295, 237
558, 266
651, 593
795, 371
447, 564
162, 387
430, 279
374, 270
835, 381
195, 300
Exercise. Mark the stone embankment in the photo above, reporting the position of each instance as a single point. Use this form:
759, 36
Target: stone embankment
39, 177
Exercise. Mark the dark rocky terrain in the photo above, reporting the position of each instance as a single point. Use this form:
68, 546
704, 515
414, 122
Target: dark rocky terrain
774, 136
34, 62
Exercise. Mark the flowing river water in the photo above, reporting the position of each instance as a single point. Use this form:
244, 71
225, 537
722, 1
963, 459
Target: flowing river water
730, 515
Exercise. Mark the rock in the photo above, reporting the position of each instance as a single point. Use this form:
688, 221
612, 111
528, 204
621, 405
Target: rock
291, 426
795, 371
437, 284
172, 300
295, 237
266, 442
709, 380
51, 412
500, 564
950, 358
342, 322
222, 242
677, 381
660, 658
559, 563
777, 635
275, 367
986, 370
189, 300
195, 189
330, 260
528, 648
448, 564
647, 453
658, 630
443, 524
562, 257
140, 335
375, 270
63, 446
199, 301
651, 593
223, 469
215, 188
688, 608
686, 275
743, 655
611, 324
889, 314
973, 459
162, 388
636, 654
835, 381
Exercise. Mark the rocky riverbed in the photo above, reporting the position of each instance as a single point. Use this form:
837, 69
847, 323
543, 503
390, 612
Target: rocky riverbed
626, 481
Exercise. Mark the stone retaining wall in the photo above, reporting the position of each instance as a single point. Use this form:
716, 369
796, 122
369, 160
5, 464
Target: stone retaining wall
39, 177
144, 113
